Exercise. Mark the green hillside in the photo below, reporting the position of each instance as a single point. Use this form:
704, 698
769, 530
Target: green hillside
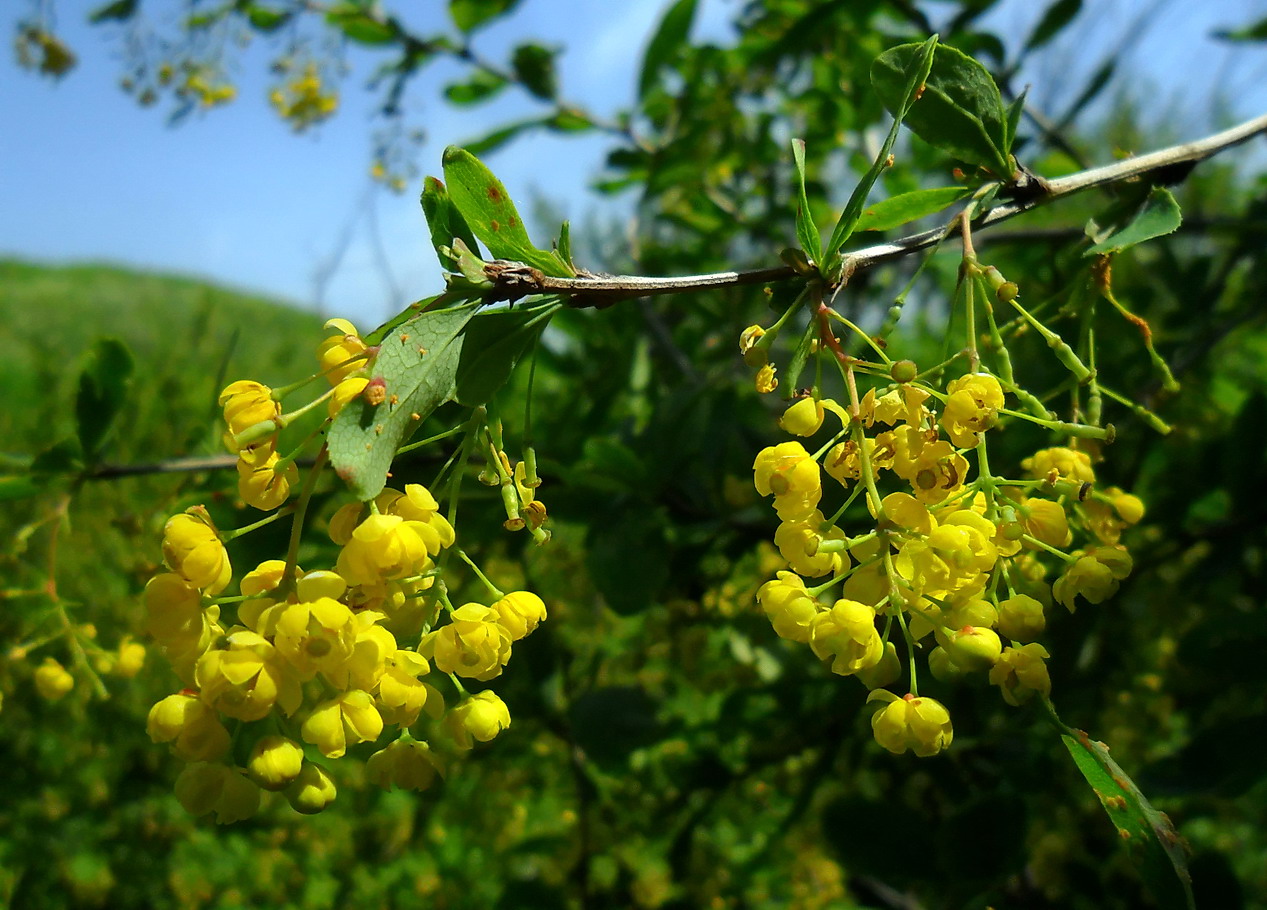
177, 328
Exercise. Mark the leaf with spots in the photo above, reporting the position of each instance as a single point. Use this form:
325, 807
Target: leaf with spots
1147, 834
418, 362
486, 206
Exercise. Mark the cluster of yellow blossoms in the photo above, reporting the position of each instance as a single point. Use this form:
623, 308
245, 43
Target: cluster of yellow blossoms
954, 568
303, 98
299, 667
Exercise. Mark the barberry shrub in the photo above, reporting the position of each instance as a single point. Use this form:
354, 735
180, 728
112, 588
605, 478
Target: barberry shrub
939, 511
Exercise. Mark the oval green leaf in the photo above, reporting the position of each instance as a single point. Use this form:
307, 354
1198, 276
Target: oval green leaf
907, 207
960, 110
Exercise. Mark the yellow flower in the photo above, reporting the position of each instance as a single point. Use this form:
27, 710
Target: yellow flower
1060, 463
973, 648
1046, 521
192, 549
374, 647
174, 611
972, 406
203, 788
1021, 618
401, 694
884, 673
846, 635
1020, 673
520, 612
803, 417
405, 764
933, 469
789, 606
246, 404
753, 355
52, 680
765, 381
316, 637
789, 473
387, 547
343, 353
130, 659
1086, 576
349, 717
311, 791
344, 392
799, 542
480, 717
193, 728
275, 762
260, 484
473, 644
919, 724
246, 678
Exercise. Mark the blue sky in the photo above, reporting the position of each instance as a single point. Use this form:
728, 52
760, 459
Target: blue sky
234, 195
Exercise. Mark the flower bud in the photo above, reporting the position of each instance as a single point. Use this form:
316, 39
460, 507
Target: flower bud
919, 724
52, 680
974, 648
481, 717
275, 762
1021, 618
311, 791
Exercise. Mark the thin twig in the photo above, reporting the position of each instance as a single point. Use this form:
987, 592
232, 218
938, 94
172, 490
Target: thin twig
514, 280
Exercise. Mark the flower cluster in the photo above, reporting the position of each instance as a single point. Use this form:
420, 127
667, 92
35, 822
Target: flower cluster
302, 98
326, 658
298, 667
962, 568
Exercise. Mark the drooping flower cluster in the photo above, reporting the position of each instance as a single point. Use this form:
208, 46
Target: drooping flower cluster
322, 661
331, 658
959, 567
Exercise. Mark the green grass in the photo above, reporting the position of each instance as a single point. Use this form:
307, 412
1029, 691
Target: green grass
185, 334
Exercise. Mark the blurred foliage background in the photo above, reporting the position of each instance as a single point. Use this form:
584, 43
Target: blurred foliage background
667, 750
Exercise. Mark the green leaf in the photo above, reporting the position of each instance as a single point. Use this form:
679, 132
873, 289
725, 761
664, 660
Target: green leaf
670, 36
806, 231
58, 460
499, 137
907, 207
799, 358
1158, 216
914, 66
18, 487
267, 20
492, 344
359, 26
103, 389
1147, 834
469, 15
117, 11
565, 243
1255, 31
418, 361
445, 222
569, 120
1057, 16
534, 67
960, 110
482, 86
1014, 112
487, 208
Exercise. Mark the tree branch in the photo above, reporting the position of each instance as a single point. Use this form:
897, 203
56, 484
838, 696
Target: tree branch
513, 280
